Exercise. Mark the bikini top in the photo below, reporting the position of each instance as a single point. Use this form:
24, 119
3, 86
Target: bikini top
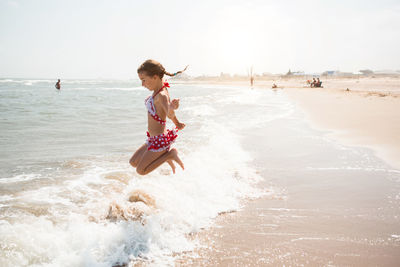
149, 102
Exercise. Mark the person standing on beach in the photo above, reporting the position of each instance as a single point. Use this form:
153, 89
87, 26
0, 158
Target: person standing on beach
156, 150
251, 77
314, 82
58, 84
319, 83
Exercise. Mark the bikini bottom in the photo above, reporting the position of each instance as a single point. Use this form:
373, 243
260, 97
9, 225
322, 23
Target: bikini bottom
161, 142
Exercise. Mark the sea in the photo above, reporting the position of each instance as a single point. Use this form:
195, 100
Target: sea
64, 161
68, 196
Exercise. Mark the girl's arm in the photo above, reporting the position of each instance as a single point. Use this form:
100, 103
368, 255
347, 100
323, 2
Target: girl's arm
169, 109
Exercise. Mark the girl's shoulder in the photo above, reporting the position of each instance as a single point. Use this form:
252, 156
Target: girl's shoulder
163, 96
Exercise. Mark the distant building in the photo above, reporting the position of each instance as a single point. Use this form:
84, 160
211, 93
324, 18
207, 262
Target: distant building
329, 73
298, 73
386, 72
182, 76
336, 73
224, 75
366, 72
295, 73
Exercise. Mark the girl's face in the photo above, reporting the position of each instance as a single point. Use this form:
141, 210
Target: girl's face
150, 82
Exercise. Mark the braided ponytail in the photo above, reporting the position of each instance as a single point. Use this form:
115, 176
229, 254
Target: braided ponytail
152, 67
169, 74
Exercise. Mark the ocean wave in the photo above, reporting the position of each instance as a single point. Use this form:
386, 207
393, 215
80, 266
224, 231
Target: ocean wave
20, 178
6, 80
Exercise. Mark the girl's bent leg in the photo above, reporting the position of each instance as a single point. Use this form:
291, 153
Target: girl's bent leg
173, 156
172, 165
151, 160
137, 156
147, 158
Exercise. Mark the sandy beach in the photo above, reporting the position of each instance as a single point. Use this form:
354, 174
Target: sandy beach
341, 216
370, 119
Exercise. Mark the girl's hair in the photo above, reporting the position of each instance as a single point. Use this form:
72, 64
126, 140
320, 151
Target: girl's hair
152, 67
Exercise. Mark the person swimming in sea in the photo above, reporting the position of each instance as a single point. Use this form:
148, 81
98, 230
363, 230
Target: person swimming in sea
157, 148
58, 84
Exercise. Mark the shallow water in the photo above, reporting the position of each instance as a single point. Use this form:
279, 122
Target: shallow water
64, 163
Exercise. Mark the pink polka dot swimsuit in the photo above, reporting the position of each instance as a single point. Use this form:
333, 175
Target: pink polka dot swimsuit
163, 141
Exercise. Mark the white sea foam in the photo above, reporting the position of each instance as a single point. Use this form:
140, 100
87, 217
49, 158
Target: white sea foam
213, 182
20, 178
25, 82
6, 80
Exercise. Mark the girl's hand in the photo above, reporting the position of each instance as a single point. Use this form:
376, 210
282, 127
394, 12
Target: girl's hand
180, 125
174, 104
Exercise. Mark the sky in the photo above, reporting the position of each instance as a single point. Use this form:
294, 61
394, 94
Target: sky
90, 39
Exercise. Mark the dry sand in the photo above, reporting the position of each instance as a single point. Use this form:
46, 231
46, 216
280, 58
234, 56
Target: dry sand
364, 116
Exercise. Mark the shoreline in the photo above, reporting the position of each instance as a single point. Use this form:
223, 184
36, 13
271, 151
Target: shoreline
368, 115
323, 216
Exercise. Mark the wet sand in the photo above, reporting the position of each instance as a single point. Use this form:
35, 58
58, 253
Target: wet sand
285, 233
347, 215
322, 218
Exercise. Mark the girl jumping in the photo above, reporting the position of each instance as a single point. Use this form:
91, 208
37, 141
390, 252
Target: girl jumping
156, 150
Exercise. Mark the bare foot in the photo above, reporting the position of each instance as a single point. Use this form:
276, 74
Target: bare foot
174, 156
171, 163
